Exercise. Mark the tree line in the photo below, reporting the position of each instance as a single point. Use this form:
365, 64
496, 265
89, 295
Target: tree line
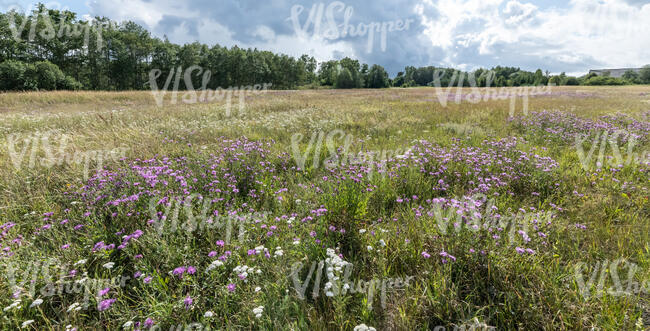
50, 49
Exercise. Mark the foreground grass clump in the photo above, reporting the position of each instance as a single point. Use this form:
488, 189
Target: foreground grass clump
474, 219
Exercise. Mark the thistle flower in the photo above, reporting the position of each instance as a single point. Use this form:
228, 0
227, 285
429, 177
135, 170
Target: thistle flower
188, 302
105, 304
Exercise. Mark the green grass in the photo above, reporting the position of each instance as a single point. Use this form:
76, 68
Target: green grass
500, 288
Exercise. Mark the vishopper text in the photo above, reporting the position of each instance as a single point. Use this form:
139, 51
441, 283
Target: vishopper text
338, 283
49, 29
615, 159
340, 156
450, 219
336, 31
178, 214
56, 155
601, 271
486, 93
190, 95
23, 278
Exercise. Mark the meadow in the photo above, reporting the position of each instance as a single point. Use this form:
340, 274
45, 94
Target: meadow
326, 210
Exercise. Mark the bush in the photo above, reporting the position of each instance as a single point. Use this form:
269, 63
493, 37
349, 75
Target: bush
12, 75
645, 74
604, 80
572, 81
19, 76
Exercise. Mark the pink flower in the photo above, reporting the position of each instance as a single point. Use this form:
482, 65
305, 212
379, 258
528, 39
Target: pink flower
104, 291
105, 304
231, 287
188, 302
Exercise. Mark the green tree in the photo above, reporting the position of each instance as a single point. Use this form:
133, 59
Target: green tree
377, 77
644, 75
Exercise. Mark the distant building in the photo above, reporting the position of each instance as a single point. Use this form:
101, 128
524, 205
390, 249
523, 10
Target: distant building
616, 73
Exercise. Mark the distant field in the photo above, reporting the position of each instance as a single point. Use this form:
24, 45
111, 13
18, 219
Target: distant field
435, 210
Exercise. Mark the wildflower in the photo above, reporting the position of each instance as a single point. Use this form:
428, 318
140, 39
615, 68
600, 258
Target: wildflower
188, 302
15, 304
447, 255
191, 270
109, 265
26, 323
214, 264
363, 327
127, 324
75, 306
80, 262
104, 291
258, 311
231, 287
426, 255
147, 280
137, 274
105, 304
36, 303
179, 272
257, 289
519, 250
369, 248
148, 323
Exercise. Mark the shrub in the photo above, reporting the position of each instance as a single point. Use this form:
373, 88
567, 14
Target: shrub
572, 81
604, 80
645, 74
18, 76
12, 75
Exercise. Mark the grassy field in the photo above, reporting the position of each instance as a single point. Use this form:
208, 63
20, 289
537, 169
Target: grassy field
328, 209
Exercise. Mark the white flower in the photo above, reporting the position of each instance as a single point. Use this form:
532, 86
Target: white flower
258, 311
127, 324
257, 289
382, 242
108, 265
214, 264
208, 314
83, 261
296, 242
26, 323
370, 248
36, 303
278, 252
15, 304
362, 231
363, 327
73, 306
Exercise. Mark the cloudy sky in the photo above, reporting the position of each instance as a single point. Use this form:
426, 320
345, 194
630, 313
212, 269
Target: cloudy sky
572, 36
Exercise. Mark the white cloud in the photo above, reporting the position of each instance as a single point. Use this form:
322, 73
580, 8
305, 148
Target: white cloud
612, 32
